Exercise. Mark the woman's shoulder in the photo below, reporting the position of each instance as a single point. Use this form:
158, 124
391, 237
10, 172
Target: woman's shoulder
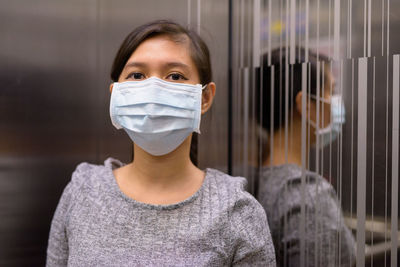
281, 186
232, 189
220, 177
235, 186
88, 175
248, 228
289, 177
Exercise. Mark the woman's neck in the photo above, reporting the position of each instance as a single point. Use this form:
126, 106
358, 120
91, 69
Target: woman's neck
162, 169
293, 144
163, 179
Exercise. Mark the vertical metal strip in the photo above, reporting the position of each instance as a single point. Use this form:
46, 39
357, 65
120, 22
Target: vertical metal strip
256, 33
308, 101
292, 31
255, 65
365, 29
330, 134
336, 30
369, 28
387, 122
189, 13
198, 16
373, 157
240, 91
300, 8
239, 112
308, 115
237, 70
260, 88
350, 27
317, 123
303, 161
269, 31
336, 238
246, 120
383, 24
322, 115
271, 153
307, 29
361, 158
287, 68
260, 141
287, 32
98, 73
288, 48
352, 140
317, 146
329, 28
318, 20
241, 31
280, 78
291, 105
230, 92
340, 171
395, 161
249, 31
285, 65
387, 27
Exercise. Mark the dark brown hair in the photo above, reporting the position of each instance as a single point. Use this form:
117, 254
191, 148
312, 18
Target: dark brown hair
198, 49
278, 59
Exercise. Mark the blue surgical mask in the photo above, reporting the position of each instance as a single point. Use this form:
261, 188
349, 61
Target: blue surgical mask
157, 115
331, 132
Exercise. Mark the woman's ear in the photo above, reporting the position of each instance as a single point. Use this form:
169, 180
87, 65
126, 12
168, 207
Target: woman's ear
207, 97
298, 101
311, 107
111, 87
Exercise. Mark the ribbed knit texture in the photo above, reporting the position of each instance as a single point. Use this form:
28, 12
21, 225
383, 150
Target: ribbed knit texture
328, 242
95, 224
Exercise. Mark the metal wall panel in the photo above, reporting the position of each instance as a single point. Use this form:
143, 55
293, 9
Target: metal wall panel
55, 58
48, 116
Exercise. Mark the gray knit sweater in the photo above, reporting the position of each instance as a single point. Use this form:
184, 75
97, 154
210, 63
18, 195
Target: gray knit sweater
95, 224
327, 240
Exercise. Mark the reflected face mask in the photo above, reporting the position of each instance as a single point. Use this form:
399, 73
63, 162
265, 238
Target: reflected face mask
330, 133
157, 115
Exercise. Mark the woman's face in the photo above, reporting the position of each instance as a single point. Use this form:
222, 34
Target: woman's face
324, 104
161, 57
164, 58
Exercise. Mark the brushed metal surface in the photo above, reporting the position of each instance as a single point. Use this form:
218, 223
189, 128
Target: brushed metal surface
55, 58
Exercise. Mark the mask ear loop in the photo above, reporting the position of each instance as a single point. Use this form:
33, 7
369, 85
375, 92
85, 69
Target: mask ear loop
204, 87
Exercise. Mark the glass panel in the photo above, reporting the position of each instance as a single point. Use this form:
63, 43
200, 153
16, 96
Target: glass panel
315, 89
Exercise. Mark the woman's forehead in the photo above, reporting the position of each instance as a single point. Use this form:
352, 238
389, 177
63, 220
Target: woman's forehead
161, 48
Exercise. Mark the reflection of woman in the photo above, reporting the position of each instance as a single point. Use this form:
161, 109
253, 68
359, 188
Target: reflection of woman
159, 209
327, 241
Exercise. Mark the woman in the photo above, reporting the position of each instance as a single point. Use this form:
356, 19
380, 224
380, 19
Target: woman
160, 209
327, 241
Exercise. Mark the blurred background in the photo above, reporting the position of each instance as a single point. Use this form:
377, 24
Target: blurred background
55, 58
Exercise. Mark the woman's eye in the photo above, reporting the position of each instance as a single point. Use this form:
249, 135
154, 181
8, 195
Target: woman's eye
176, 77
136, 76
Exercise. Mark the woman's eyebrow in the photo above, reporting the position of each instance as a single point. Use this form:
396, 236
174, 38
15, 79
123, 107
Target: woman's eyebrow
177, 64
166, 65
135, 64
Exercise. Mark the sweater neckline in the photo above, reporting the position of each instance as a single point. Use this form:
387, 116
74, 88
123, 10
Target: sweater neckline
110, 163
